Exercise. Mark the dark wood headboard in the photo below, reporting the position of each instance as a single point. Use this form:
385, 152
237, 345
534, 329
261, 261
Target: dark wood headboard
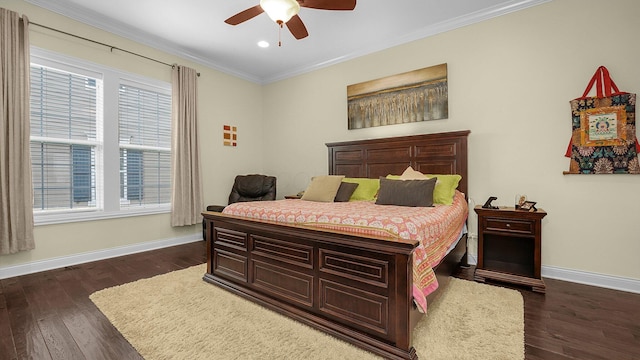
442, 153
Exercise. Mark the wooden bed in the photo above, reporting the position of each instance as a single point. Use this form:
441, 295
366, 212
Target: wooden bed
358, 289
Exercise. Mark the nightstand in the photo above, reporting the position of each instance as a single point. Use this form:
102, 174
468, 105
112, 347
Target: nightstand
509, 246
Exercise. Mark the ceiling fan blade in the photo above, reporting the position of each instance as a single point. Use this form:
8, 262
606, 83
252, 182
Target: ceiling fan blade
297, 28
244, 15
329, 4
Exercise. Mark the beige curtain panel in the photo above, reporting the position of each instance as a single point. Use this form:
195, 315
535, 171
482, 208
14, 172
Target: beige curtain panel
186, 197
16, 191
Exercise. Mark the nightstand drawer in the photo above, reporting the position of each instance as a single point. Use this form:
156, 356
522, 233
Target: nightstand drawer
510, 225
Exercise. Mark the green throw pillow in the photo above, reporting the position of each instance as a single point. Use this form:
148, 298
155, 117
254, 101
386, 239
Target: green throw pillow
367, 188
445, 188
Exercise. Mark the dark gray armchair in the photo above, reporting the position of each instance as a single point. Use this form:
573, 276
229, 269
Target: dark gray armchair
253, 187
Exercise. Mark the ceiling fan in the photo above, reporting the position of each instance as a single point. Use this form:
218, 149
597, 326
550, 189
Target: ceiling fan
286, 12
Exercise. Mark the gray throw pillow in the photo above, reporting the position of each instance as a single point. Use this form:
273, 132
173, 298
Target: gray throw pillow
406, 192
345, 191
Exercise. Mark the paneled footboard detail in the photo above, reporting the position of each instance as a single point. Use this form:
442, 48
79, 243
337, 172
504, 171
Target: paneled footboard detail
292, 286
230, 254
357, 289
361, 308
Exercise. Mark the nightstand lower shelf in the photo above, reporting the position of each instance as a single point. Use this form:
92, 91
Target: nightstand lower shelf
509, 246
537, 285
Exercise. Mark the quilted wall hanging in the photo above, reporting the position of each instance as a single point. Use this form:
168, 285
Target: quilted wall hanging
603, 137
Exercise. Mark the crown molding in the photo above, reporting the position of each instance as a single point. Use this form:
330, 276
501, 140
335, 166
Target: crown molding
452, 24
101, 22
123, 30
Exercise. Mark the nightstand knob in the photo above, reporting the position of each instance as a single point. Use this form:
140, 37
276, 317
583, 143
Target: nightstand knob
509, 225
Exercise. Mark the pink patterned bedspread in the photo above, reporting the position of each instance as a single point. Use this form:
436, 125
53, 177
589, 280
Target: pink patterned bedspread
436, 228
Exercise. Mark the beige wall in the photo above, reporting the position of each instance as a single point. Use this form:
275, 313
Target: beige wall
510, 82
223, 100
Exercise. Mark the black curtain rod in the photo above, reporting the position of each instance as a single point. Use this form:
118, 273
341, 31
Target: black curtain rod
103, 44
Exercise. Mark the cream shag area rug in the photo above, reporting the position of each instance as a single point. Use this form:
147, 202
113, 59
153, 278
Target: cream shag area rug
179, 316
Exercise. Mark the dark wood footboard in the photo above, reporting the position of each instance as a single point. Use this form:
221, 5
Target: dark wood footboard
357, 289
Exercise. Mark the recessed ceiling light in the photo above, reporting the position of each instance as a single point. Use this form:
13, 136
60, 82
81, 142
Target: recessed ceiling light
263, 44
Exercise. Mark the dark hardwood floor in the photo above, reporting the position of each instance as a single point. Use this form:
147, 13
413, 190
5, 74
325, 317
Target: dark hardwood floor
574, 321
49, 315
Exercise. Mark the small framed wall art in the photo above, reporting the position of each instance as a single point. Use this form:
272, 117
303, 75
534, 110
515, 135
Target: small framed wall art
230, 135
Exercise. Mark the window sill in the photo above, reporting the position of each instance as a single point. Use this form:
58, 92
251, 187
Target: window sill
69, 217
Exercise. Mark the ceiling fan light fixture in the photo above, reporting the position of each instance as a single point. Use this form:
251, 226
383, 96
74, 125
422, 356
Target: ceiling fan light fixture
280, 11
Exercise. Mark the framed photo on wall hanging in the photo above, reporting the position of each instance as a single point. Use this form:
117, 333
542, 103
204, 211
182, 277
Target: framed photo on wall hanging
414, 96
604, 126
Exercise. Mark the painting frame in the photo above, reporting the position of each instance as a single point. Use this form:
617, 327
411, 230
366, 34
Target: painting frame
414, 96
615, 118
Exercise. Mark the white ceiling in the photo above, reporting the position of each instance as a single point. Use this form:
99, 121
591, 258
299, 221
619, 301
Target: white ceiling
195, 29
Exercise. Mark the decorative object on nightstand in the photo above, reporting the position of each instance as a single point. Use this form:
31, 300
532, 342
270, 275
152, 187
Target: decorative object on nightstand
296, 196
487, 204
527, 206
509, 246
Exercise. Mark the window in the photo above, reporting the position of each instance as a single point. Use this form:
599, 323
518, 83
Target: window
64, 140
144, 119
100, 141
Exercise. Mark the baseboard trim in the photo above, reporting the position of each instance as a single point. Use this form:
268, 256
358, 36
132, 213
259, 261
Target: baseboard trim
583, 277
552, 272
594, 279
60, 262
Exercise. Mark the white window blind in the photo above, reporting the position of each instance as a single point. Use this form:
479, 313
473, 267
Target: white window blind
100, 141
64, 138
144, 127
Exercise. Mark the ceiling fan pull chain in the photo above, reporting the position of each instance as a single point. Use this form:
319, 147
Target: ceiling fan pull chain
280, 33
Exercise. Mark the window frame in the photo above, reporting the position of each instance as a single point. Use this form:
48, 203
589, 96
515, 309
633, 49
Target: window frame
108, 164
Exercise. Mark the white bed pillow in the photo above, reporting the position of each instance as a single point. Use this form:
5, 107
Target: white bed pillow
410, 174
